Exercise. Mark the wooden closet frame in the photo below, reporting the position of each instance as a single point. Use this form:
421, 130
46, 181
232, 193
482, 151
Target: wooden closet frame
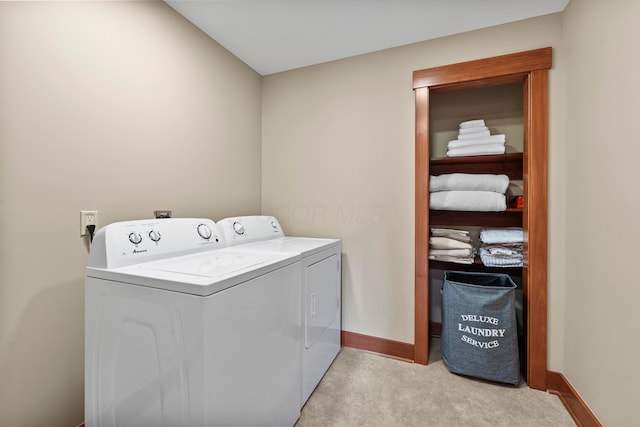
531, 69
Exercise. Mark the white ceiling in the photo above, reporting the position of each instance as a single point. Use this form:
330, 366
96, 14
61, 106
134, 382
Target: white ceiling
279, 35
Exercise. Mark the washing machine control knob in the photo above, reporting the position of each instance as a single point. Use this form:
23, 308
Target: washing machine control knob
154, 235
274, 225
135, 238
204, 231
238, 228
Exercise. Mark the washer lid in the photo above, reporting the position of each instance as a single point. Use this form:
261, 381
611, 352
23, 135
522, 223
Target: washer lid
211, 265
199, 274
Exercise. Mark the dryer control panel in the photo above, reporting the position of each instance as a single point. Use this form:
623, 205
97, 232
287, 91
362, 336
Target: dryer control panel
247, 229
132, 242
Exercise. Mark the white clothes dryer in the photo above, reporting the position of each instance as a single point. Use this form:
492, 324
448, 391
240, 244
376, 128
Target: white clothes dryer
181, 331
320, 283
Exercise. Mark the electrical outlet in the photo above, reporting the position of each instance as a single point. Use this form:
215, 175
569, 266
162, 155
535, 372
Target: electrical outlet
162, 214
88, 218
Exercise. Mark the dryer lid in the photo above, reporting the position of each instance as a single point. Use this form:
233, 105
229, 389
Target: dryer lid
301, 245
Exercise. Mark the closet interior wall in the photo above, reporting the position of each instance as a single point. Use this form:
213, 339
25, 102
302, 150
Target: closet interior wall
502, 109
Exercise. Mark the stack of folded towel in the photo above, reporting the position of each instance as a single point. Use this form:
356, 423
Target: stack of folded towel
474, 139
501, 247
468, 192
451, 246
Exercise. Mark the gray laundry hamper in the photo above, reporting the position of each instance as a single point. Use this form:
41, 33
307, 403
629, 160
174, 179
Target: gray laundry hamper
479, 328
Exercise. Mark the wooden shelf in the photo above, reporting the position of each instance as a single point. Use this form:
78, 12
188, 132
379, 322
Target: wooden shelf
510, 218
476, 266
509, 164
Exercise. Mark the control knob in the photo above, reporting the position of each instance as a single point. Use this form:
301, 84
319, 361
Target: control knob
204, 231
238, 228
154, 235
135, 238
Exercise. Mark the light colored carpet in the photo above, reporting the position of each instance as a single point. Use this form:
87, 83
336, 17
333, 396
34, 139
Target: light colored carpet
366, 389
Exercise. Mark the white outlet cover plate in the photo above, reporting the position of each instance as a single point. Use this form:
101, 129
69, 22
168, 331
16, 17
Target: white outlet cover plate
87, 218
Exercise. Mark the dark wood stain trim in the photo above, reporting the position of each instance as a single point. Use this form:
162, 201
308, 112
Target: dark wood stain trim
399, 349
529, 68
421, 285
558, 384
515, 64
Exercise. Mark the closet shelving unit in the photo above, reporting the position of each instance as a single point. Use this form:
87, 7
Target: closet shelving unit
528, 70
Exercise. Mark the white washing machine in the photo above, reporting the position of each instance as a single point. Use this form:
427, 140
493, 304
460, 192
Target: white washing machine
320, 283
181, 331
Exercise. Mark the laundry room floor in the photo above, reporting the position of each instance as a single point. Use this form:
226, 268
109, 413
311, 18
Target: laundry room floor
367, 389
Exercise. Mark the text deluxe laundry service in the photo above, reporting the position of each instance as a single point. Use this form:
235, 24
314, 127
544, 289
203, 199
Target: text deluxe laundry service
480, 332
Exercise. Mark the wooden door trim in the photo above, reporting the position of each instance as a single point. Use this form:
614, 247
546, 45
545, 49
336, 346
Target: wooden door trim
530, 68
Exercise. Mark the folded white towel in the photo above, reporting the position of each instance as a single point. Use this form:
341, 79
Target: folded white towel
446, 243
473, 135
458, 237
476, 150
502, 235
469, 182
471, 123
452, 234
472, 129
451, 252
458, 260
499, 138
436, 231
484, 201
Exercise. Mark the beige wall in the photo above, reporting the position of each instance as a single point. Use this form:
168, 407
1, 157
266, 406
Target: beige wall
338, 160
602, 202
123, 107
126, 108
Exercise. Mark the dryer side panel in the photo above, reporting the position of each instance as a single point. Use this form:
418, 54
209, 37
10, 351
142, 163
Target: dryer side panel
253, 336
322, 322
322, 297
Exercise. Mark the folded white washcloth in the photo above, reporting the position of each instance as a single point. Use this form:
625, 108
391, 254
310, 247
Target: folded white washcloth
516, 247
483, 201
477, 150
502, 235
469, 182
472, 129
446, 243
499, 138
473, 135
471, 123
491, 260
500, 250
